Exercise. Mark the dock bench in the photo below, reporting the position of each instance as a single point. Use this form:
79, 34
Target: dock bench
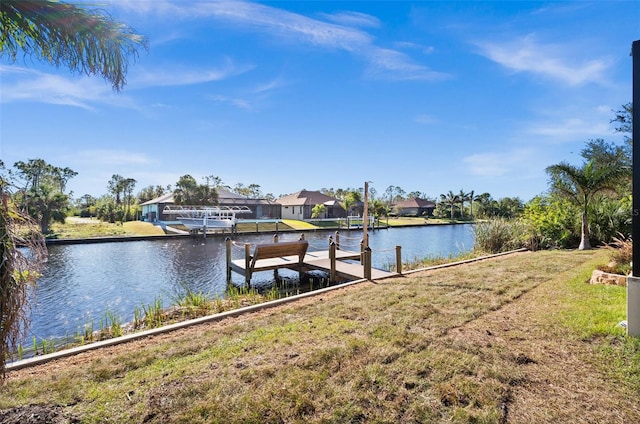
271, 256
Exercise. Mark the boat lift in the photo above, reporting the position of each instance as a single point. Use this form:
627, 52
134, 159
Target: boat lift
187, 210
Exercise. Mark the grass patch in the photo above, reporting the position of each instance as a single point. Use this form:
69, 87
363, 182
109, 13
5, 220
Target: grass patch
491, 341
80, 228
299, 225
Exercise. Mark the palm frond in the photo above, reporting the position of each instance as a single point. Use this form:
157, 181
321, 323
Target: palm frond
83, 40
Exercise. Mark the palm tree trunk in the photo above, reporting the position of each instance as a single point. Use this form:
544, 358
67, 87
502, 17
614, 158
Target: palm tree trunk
584, 240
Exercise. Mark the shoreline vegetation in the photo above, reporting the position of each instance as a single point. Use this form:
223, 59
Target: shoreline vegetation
516, 338
76, 228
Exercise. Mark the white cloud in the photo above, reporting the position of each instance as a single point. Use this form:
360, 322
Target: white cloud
293, 27
270, 86
394, 65
496, 164
527, 54
175, 76
20, 84
241, 103
353, 19
571, 129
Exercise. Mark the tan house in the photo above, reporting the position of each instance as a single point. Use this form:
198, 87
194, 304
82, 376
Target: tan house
414, 207
300, 205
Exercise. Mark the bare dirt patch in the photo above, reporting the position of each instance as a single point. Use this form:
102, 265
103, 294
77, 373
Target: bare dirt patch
36, 414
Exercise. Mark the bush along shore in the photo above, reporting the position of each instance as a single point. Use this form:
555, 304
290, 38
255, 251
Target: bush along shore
517, 338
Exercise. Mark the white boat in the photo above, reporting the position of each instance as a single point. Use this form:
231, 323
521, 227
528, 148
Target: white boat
199, 217
209, 220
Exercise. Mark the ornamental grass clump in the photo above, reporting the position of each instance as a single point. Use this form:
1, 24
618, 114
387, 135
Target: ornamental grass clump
620, 256
503, 235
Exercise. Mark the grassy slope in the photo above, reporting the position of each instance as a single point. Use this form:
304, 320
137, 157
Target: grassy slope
517, 338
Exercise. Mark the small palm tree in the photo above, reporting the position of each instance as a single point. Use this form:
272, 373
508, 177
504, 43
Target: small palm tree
581, 184
451, 200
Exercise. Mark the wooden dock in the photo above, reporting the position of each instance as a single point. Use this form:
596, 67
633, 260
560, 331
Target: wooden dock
320, 260
294, 255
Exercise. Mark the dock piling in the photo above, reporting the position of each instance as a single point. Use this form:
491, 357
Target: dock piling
228, 245
367, 263
399, 259
247, 262
332, 262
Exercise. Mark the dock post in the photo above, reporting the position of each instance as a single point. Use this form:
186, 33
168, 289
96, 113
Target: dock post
275, 238
337, 240
367, 263
330, 240
247, 263
301, 237
228, 244
362, 251
399, 259
332, 261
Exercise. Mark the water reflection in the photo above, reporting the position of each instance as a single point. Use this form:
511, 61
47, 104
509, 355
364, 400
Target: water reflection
81, 282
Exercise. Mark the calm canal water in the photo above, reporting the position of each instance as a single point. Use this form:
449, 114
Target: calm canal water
81, 282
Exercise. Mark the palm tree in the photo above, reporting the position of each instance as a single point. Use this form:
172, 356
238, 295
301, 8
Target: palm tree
462, 197
451, 200
580, 185
471, 198
82, 40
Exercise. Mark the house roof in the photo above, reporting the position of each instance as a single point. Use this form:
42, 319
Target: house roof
165, 198
415, 203
306, 197
225, 197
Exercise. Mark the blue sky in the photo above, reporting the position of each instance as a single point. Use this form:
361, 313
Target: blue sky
428, 96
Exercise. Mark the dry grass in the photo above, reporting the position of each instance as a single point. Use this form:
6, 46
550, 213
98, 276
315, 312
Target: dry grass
494, 341
79, 228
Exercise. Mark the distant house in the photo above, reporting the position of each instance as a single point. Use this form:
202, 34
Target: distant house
300, 205
152, 209
414, 207
260, 208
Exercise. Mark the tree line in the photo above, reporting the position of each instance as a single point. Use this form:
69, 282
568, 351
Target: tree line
41, 192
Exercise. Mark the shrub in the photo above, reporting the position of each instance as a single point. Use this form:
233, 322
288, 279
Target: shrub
553, 222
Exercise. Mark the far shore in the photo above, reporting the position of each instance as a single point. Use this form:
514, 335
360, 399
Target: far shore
78, 230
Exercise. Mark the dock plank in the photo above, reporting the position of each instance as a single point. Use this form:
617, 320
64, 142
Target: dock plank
318, 260
348, 270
